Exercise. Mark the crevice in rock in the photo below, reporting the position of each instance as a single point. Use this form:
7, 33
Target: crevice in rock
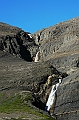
25, 54
78, 63
38, 103
41, 97
18, 45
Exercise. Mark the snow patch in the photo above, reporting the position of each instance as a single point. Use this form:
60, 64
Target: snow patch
30, 35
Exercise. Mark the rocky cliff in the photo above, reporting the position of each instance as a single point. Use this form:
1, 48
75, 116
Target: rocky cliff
58, 48
60, 44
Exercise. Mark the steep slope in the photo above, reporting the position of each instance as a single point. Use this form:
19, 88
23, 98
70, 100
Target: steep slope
6, 29
19, 77
60, 43
67, 105
59, 46
17, 42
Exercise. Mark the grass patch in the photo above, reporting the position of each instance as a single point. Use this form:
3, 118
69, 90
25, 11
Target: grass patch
1, 95
15, 103
19, 102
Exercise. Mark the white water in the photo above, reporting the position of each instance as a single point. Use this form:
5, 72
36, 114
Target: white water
52, 95
30, 35
37, 57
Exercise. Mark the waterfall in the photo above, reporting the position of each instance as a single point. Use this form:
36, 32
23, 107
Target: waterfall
37, 57
51, 98
30, 35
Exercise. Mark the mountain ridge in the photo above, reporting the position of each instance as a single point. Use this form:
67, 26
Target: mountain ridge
58, 48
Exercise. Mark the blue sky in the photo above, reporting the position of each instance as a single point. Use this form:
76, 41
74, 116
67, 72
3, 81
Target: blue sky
33, 15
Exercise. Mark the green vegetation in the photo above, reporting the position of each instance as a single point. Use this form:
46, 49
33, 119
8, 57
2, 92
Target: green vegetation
1, 95
19, 102
15, 103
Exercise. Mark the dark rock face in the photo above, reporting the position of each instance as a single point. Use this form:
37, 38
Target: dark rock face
59, 58
18, 43
67, 105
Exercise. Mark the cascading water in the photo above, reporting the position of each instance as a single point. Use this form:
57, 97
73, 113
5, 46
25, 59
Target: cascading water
51, 98
37, 57
30, 35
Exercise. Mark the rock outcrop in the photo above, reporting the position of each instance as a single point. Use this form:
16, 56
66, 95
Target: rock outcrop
58, 49
17, 42
67, 104
59, 46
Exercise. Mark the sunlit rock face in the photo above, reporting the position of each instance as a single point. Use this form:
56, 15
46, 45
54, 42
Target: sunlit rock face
59, 46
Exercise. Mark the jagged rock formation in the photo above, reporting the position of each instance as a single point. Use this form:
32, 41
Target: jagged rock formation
59, 46
59, 58
17, 42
